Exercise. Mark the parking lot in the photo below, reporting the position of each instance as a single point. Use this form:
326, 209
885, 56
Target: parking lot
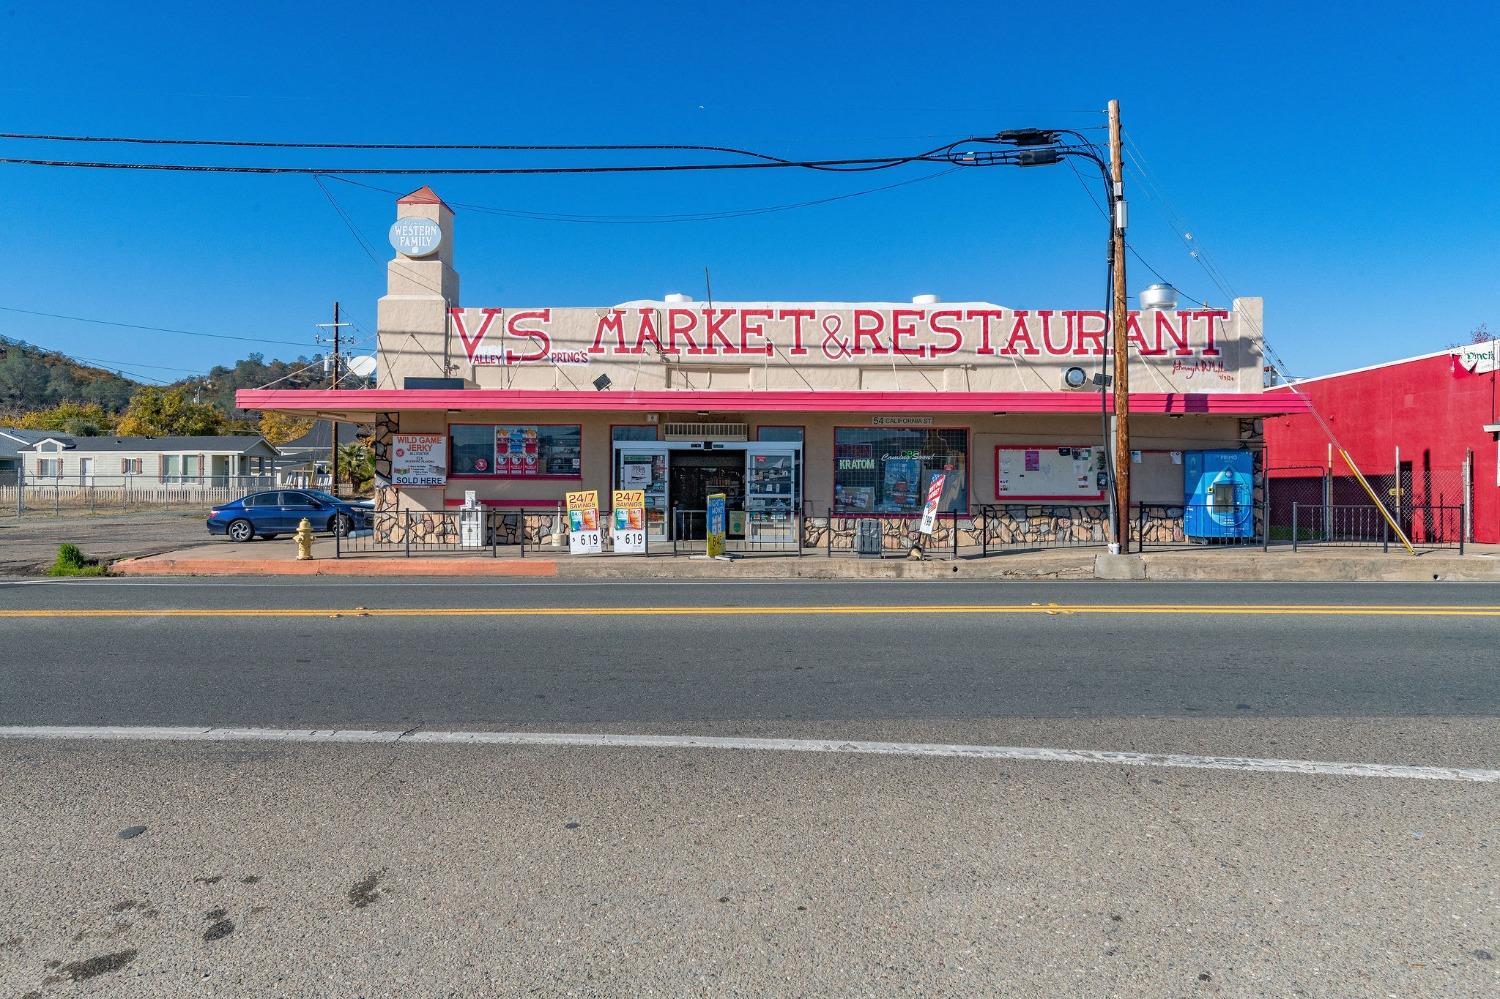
31, 541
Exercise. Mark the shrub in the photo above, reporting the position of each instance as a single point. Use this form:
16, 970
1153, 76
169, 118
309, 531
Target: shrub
70, 562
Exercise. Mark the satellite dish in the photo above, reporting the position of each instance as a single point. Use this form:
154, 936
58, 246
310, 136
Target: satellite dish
362, 366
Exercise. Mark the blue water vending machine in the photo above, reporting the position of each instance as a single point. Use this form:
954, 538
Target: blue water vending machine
1217, 494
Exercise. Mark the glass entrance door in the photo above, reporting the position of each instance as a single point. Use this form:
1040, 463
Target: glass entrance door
643, 465
773, 494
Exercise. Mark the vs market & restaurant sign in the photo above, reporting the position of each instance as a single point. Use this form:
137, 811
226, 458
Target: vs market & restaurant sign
419, 460
836, 335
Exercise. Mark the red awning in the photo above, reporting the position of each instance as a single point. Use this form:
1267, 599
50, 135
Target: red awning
367, 402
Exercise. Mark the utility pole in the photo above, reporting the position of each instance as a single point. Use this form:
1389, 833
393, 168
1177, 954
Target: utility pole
333, 425
1121, 541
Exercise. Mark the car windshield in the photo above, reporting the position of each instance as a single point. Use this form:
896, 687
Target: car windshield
319, 494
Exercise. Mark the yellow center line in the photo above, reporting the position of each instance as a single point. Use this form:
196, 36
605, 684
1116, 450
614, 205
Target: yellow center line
1288, 610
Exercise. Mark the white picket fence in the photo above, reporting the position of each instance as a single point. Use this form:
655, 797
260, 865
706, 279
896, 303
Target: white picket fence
55, 497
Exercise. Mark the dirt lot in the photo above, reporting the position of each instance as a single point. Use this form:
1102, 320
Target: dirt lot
27, 543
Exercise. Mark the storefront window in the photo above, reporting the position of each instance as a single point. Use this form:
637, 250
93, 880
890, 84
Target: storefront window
783, 435
516, 451
888, 470
631, 433
778, 435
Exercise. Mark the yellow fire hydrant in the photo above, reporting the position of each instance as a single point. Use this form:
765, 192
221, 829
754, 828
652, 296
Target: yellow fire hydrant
304, 536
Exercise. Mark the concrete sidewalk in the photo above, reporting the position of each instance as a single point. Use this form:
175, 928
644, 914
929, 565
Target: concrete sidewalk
278, 558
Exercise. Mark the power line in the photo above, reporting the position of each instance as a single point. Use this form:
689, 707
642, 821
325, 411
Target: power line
840, 165
1129, 245
91, 362
419, 146
364, 244
949, 152
661, 219
27, 345
149, 329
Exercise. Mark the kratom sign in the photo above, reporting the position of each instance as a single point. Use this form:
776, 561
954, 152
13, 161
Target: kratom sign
856, 335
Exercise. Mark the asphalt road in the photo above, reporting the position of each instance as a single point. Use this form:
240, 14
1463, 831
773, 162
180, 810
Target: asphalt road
405, 868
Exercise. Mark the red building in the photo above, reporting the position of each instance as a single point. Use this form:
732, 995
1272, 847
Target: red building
1438, 415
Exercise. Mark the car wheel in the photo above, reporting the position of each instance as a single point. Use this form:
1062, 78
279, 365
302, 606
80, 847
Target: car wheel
339, 526
241, 530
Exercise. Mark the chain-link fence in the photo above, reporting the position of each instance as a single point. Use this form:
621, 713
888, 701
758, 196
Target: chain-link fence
1315, 504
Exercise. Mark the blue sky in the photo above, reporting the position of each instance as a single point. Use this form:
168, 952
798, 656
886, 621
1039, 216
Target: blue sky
1337, 160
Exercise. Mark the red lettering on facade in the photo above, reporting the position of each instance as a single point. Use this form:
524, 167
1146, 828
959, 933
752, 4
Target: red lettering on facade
904, 323
677, 328
984, 316
1177, 334
953, 333
612, 321
646, 331
752, 324
1020, 333
1211, 341
715, 331
1084, 337
1134, 335
1046, 316
797, 316
537, 336
868, 324
472, 342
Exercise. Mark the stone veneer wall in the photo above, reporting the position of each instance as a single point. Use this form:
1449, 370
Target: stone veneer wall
432, 529
1015, 526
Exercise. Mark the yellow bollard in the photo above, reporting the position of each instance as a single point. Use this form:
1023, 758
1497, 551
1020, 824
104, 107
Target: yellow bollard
304, 536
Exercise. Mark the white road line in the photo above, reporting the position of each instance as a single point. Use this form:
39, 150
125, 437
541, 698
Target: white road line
606, 741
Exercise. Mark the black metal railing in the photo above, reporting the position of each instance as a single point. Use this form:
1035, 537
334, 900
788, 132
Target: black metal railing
764, 533
1366, 525
1159, 526
893, 535
1011, 527
430, 532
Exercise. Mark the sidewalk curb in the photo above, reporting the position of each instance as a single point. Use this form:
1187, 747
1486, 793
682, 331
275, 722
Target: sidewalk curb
155, 566
1160, 567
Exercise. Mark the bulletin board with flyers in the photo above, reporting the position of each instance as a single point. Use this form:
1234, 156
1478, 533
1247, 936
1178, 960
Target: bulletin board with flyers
1054, 473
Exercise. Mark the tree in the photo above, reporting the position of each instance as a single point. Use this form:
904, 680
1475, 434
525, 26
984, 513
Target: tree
280, 428
357, 464
76, 418
157, 412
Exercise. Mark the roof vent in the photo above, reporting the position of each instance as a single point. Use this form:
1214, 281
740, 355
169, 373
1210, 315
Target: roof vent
1159, 296
925, 300
678, 298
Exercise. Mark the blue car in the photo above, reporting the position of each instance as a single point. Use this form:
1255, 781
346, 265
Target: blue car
279, 511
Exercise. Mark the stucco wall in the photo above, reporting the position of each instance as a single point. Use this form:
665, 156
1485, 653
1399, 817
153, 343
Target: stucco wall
1419, 405
1153, 483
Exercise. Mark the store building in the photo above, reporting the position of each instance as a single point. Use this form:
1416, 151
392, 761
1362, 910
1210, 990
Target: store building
1424, 430
813, 411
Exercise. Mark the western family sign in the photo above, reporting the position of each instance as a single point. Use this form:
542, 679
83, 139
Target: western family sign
834, 334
